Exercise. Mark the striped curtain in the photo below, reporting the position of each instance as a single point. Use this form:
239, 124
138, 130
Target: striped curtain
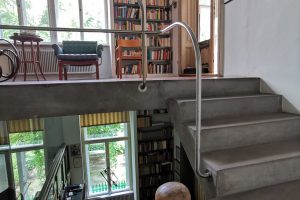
3, 134
25, 125
103, 118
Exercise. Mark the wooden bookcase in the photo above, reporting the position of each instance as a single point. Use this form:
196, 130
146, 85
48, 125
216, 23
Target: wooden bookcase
159, 48
155, 156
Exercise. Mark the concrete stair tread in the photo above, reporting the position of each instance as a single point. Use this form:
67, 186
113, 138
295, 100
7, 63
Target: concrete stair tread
185, 100
243, 120
289, 191
243, 156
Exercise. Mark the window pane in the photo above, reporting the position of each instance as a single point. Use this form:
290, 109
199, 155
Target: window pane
36, 14
8, 16
204, 20
26, 138
94, 16
104, 131
96, 165
68, 17
29, 172
3, 174
119, 165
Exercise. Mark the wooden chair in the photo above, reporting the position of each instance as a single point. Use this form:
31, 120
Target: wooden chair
120, 57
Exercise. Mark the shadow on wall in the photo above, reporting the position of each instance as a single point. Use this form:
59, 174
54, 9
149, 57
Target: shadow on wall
287, 106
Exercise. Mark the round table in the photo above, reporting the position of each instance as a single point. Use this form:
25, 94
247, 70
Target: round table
35, 58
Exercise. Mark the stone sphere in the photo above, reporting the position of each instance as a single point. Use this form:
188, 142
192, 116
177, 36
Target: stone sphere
172, 191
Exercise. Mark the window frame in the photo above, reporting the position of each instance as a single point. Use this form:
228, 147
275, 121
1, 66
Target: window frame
8, 150
106, 141
52, 16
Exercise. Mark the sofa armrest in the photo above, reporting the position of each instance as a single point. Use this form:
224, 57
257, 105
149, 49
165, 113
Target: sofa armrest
57, 49
99, 50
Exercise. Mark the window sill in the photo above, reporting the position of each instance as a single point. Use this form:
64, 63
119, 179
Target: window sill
108, 196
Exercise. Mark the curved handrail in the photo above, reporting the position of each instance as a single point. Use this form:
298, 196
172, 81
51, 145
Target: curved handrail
52, 172
198, 91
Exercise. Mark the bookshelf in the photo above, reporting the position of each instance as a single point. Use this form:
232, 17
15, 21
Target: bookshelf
159, 15
155, 152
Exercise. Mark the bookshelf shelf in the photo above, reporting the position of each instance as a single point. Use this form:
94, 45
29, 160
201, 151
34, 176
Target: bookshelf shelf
127, 17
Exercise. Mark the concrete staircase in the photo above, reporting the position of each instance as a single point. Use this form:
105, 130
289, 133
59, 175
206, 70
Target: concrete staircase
248, 143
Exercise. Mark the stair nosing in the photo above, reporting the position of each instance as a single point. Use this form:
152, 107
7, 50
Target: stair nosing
258, 95
207, 127
264, 159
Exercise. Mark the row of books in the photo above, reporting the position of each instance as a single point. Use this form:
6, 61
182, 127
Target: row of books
154, 146
130, 69
158, 14
131, 52
126, 25
156, 157
148, 2
158, 134
159, 42
125, 12
163, 54
156, 26
126, 1
159, 68
151, 112
158, 2
155, 168
155, 180
129, 25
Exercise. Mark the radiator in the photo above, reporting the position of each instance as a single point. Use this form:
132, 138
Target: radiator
49, 64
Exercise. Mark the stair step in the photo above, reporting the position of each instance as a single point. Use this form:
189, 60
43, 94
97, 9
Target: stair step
213, 87
288, 191
248, 168
231, 132
234, 106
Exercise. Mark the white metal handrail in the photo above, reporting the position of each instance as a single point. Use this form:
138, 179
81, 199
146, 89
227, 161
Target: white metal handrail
143, 87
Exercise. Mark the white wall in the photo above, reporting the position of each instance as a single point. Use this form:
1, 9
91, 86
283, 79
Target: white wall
262, 39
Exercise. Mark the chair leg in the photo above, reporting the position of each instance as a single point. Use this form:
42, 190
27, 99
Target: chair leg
60, 68
97, 70
66, 72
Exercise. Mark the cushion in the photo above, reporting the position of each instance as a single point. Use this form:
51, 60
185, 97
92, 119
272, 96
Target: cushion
79, 47
77, 57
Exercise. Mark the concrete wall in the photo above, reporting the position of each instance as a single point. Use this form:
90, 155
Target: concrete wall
262, 38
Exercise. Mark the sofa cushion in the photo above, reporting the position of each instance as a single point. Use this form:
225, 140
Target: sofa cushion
79, 47
77, 57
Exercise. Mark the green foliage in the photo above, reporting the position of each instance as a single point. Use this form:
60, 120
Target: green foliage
26, 138
115, 148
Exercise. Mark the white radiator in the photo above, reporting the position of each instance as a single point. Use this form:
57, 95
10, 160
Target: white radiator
49, 64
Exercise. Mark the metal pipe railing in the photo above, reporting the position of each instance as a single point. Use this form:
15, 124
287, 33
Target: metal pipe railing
56, 163
143, 87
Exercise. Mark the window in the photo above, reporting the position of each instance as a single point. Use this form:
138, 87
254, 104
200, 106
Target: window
57, 13
27, 155
3, 174
204, 22
107, 162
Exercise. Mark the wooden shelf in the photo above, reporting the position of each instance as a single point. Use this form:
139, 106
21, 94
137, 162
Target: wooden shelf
136, 5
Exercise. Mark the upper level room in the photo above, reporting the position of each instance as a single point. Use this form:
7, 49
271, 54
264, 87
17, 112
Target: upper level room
117, 55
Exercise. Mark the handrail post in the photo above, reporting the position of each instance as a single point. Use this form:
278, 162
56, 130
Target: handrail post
142, 87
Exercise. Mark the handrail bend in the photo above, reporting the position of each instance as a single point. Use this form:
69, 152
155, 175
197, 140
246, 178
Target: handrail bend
52, 172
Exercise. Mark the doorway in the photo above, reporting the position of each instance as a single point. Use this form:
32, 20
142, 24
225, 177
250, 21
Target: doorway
210, 36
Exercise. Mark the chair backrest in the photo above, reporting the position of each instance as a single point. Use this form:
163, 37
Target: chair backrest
128, 43
79, 47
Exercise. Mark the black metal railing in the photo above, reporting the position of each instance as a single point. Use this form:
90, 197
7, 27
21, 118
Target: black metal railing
57, 178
